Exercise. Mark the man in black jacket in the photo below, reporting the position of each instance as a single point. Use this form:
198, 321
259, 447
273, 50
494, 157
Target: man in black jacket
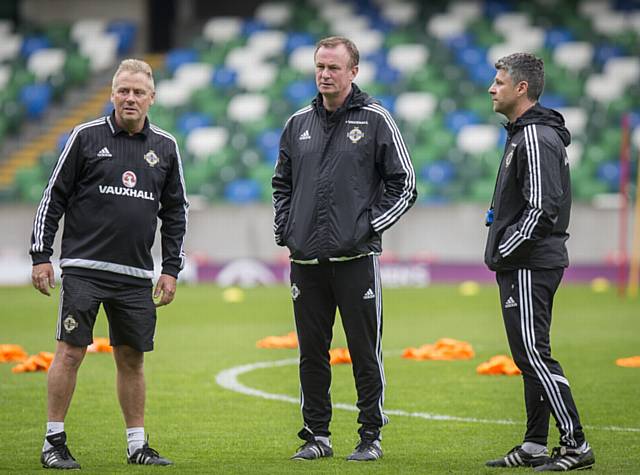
343, 176
115, 177
528, 222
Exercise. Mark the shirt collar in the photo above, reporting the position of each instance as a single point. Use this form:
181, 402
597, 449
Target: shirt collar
116, 129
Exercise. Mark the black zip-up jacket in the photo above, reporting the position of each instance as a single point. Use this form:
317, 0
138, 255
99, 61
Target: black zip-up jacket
341, 179
532, 198
111, 187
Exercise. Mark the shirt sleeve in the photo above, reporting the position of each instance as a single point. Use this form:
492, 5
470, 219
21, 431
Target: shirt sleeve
282, 187
173, 213
542, 190
56, 195
396, 170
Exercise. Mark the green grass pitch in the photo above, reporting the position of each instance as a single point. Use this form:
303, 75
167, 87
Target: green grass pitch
206, 428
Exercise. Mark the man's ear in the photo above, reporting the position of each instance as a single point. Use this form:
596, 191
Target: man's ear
522, 88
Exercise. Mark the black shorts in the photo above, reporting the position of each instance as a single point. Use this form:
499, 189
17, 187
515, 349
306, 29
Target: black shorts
130, 310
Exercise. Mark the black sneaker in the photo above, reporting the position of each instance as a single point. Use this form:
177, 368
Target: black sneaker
145, 455
366, 451
566, 458
58, 456
313, 449
517, 457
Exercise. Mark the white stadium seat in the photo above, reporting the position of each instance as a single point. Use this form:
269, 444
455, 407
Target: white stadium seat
444, 26
301, 59
46, 62
172, 93
268, 43
205, 141
575, 119
87, 28
248, 107
274, 14
194, 75
257, 78
222, 29
408, 58
101, 49
574, 55
478, 138
399, 13
415, 106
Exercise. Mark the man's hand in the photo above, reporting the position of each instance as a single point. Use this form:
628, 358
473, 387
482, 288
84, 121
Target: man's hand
165, 290
42, 277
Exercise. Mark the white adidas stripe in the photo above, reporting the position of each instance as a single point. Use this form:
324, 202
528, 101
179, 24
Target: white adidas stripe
542, 371
43, 207
535, 193
386, 219
166, 134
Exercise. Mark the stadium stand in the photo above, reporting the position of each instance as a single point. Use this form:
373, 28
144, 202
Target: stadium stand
227, 94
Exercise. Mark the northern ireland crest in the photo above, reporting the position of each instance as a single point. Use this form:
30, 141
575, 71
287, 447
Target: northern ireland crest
355, 135
151, 158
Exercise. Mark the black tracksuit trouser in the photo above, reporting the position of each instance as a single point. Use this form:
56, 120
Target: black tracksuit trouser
527, 300
354, 288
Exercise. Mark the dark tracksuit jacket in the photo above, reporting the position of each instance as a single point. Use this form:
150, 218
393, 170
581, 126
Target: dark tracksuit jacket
340, 181
111, 188
526, 247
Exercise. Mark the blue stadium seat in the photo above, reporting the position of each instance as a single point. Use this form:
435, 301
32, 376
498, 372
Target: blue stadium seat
439, 172
192, 120
387, 101
251, 26
553, 101
457, 119
30, 44
386, 74
609, 173
269, 144
300, 92
557, 36
604, 52
62, 140
126, 32
493, 8
179, 56
243, 190
297, 39
224, 77
36, 99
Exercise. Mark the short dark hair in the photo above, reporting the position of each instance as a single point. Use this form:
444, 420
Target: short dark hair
333, 41
524, 67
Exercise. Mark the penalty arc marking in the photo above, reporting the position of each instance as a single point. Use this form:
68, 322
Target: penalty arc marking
228, 379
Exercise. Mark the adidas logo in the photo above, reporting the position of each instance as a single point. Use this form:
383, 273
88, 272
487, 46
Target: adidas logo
104, 153
510, 303
368, 295
305, 135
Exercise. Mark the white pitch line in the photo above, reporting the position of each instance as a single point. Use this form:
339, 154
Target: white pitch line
228, 379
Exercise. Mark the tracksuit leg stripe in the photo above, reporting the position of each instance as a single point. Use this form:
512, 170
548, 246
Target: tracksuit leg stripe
542, 371
378, 290
59, 323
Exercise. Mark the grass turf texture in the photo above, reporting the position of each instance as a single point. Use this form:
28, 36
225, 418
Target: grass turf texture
207, 429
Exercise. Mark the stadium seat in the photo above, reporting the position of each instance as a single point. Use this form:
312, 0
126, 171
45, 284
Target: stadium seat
205, 141
222, 29
624, 69
260, 77
172, 93
443, 26
248, 107
101, 49
87, 28
194, 75
457, 119
575, 119
300, 93
478, 138
301, 59
242, 191
192, 120
224, 78
408, 58
268, 43
440, 172
10, 47
574, 55
31, 44
35, 98
46, 62
126, 32
601, 88
274, 14
556, 36
415, 106
179, 56
399, 14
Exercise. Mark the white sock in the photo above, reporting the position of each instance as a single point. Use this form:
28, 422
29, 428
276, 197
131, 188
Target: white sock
135, 438
325, 440
533, 448
52, 428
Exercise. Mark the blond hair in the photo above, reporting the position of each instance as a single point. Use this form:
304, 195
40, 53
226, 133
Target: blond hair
133, 66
